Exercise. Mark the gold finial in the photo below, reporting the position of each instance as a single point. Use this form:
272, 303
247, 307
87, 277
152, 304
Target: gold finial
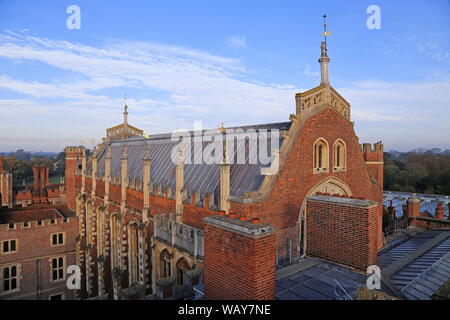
221, 128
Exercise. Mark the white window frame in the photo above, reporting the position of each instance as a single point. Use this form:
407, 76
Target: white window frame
17, 277
58, 268
9, 246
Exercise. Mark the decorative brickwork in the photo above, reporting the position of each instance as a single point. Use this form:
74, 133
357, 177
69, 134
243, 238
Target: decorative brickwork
239, 260
342, 230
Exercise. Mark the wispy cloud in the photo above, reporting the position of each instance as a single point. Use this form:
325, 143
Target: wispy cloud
308, 71
176, 86
237, 41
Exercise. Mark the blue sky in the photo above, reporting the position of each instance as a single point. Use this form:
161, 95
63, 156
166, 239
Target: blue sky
237, 62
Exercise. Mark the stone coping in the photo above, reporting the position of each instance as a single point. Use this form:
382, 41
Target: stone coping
245, 228
344, 201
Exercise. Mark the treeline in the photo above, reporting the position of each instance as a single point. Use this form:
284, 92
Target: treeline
20, 164
417, 172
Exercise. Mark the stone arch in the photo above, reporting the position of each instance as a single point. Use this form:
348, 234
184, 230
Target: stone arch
331, 185
182, 266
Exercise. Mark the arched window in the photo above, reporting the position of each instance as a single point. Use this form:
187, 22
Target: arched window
133, 253
115, 241
100, 233
165, 266
339, 156
182, 268
321, 156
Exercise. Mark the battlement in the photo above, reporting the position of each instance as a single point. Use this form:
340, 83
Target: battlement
372, 153
36, 224
372, 148
75, 150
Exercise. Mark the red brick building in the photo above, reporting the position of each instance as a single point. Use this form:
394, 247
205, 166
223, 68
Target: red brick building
37, 244
6, 187
37, 241
142, 201
42, 191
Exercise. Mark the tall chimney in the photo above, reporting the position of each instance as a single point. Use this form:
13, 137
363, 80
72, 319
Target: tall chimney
440, 211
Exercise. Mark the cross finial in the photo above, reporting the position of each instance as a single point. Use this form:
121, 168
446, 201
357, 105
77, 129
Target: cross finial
125, 111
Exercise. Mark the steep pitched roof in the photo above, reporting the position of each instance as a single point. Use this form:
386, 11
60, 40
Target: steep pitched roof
203, 178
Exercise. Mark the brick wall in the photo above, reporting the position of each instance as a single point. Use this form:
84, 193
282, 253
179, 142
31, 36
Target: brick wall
34, 253
239, 260
296, 179
342, 230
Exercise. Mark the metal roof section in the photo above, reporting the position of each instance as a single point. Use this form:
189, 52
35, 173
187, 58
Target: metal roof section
319, 280
430, 281
202, 178
418, 266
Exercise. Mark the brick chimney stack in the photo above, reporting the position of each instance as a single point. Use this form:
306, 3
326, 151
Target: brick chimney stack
413, 207
40, 182
391, 211
74, 157
440, 211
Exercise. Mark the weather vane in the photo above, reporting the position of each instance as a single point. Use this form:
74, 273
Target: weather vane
325, 31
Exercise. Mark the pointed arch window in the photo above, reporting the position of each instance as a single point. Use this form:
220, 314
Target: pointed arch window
165, 264
339, 156
182, 267
321, 156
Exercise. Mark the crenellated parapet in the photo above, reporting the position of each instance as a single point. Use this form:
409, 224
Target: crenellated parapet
36, 224
372, 153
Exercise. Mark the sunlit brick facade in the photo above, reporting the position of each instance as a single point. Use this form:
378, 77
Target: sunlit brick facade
142, 227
